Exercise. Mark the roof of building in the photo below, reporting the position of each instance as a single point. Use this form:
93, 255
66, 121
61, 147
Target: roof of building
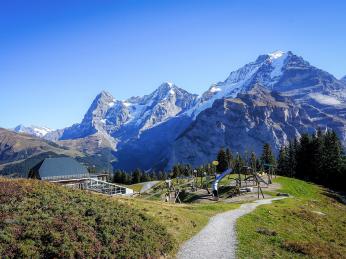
59, 168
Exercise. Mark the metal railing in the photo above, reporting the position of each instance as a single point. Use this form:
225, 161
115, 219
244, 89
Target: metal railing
103, 187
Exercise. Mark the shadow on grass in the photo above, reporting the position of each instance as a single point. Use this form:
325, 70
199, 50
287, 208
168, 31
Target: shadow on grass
339, 197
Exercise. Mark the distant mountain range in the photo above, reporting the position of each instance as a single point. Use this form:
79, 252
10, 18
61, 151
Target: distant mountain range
33, 130
20, 151
273, 99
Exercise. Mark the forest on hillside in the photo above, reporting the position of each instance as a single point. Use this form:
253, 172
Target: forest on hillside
318, 158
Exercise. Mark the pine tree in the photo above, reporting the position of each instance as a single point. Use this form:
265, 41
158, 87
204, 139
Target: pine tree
316, 153
291, 159
304, 158
229, 157
267, 155
136, 176
125, 177
144, 177
238, 164
332, 158
187, 170
176, 171
223, 162
282, 161
117, 177
252, 161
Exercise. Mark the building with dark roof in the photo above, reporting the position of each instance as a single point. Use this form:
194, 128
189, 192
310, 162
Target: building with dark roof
59, 169
70, 173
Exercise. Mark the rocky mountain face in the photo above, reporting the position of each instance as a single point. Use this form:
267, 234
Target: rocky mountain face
272, 99
343, 79
295, 97
244, 124
113, 122
279, 71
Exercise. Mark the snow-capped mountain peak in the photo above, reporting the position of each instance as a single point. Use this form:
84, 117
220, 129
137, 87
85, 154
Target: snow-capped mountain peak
33, 130
280, 70
265, 70
276, 54
127, 118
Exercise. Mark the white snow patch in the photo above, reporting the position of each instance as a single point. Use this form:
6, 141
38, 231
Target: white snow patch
286, 114
277, 64
41, 131
214, 89
171, 91
276, 54
127, 104
230, 88
111, 104
325, 99
103, 121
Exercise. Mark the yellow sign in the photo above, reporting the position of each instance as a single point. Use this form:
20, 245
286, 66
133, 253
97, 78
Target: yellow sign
215, 162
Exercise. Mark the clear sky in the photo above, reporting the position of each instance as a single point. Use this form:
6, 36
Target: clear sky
56, 55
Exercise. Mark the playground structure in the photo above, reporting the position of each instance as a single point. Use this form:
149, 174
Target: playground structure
212, 187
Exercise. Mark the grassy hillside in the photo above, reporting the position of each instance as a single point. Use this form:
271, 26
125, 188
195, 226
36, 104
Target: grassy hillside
38, 219
17, 146
312, 224
20, 152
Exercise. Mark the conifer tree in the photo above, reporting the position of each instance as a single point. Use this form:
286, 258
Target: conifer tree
303, 157
238, 164
282, 161
316, 153
144, 177
267, 155
291, 159
223, 162
332, 158
176, 171
253, 161
117, 177
136, 176
229, 157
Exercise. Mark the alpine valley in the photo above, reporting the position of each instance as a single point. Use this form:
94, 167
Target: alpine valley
274, 99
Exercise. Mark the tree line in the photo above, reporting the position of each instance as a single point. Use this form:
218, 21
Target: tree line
313, 157
316, 157
226, 159
137, 176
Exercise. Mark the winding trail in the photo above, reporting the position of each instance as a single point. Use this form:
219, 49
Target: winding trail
218, 239
148, 185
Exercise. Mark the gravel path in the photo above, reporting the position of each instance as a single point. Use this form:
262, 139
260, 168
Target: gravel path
218, 239
147, 185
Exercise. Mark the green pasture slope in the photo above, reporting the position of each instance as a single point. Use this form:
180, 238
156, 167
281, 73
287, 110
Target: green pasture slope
311, 224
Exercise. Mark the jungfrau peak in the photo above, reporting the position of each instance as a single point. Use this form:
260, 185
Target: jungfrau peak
277, 71
266, 70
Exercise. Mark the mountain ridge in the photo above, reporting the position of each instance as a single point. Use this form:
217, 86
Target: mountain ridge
153, 124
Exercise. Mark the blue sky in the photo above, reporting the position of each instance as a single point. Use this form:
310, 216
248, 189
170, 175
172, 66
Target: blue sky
55, 56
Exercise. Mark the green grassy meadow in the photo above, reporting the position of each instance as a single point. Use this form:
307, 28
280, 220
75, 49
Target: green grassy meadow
311, 224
